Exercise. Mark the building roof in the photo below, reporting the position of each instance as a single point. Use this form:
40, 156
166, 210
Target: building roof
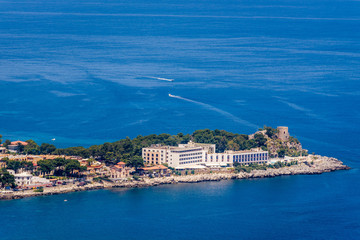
94, 166
157, 167
23, 174
254, 150
119, 166
120, 163
157, 146
17, 142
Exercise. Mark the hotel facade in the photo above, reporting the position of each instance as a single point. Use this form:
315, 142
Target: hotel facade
191, 154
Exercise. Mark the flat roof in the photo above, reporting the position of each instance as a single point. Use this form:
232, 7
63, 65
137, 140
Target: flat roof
158, 167
23, 174
157, 147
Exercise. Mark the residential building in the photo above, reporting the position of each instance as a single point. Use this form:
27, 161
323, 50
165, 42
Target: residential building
22, 179
14, 145
119, 171
2, 150
159, 170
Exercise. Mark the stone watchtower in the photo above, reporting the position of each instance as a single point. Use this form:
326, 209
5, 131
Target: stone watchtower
283, 133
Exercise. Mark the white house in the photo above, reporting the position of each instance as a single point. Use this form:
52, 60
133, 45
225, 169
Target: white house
22, 179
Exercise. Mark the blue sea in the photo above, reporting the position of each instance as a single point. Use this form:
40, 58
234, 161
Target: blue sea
87, 72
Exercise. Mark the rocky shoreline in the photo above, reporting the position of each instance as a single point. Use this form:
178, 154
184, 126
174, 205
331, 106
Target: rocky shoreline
320, 165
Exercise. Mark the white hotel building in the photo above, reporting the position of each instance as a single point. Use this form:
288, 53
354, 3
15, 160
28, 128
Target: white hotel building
186, 155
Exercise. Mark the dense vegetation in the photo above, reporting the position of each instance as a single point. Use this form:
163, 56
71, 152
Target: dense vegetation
254, 166
128, 149
16, 165
61, 167
6, 179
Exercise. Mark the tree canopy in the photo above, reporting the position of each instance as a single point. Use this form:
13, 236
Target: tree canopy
126, 149
6, 179
16, 165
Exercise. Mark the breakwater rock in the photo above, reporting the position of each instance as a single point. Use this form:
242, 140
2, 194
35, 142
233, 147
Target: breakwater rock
318, 165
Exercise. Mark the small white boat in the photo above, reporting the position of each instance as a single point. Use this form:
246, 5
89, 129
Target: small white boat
166, 79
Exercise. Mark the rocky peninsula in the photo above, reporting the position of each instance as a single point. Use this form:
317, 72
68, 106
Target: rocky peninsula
320, 164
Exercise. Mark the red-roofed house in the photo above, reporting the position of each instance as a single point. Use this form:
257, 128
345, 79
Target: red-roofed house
14, 145
119, 171
21, 142
160, 169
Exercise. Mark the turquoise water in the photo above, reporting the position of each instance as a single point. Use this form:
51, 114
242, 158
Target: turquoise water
86, 73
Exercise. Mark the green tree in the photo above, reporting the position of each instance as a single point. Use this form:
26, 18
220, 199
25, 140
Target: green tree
47, 148
6, 179
136, 162
6, 143
46, 165
281, 152
28, 166
71, 166
260, 139
270, 132
20, 148
60, 162
32, 147
13, 165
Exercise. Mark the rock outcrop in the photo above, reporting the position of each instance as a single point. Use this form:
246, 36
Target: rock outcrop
318, 165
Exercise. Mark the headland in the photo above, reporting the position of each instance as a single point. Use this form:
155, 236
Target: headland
318, 165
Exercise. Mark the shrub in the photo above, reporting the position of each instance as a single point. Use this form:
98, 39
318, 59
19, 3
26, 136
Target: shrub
40, 189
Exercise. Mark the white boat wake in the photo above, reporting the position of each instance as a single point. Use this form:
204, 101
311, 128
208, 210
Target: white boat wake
161, 79
215, 109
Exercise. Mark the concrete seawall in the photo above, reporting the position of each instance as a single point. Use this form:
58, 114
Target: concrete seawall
320, 165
